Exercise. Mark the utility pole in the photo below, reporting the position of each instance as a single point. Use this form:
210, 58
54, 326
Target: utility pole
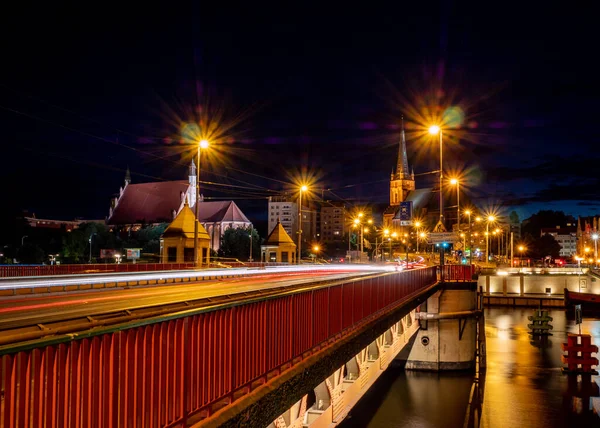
511, 250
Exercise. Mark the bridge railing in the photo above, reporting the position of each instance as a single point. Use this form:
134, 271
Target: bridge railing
459, 273
162, 372
67, 269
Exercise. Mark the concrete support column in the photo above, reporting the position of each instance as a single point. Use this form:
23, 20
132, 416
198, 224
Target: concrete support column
487, 285
504, 286
522, 284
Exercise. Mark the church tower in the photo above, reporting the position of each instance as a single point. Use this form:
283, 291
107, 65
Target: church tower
402, 181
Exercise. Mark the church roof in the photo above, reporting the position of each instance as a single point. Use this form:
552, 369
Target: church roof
184, 225
279, 236
420, 199
149, 202
222, 211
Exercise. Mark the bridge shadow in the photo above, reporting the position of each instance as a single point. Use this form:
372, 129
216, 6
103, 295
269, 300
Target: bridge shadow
412, 398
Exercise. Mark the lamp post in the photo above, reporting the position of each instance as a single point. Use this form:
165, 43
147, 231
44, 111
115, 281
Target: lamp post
392, 236
521, 250
417, 226
202, 144
90, 240
316, 251
490, 219
421, 235
23, 240
468, 213
303, 188
250, 258
434, 130
386, 234
595, 238
455, 182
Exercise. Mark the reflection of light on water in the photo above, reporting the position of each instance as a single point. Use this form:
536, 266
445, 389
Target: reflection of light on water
504, 324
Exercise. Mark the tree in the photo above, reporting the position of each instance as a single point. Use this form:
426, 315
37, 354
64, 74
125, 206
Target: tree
235, 243
514, 217
545, 218
30, 254
544, 246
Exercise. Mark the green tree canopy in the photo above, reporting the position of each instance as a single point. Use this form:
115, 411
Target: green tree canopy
235, 243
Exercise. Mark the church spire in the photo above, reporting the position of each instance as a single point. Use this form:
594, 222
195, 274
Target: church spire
402, 166
127, 176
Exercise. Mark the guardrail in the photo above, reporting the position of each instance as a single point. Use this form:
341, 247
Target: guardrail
45, 270
162, 372
459, 273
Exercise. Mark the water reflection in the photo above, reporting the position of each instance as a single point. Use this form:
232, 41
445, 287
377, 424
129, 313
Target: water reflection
523, 386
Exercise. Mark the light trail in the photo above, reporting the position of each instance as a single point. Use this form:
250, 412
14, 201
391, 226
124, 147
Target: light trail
52, 281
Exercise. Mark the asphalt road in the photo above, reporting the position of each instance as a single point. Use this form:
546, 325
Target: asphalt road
21, 311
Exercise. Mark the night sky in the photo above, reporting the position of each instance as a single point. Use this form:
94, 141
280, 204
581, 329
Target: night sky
87, 92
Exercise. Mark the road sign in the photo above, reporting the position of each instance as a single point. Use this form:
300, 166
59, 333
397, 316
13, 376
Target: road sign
406, 222
458, 246
439, 227
439, 237
405, 212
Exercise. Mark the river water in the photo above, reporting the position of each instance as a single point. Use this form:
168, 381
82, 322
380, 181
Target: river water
523, 385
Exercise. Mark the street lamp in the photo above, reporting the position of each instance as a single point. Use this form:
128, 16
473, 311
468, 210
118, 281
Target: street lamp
202, 144
303, 188
435, 130
23, 240
595, 238
250, 259
468, 213
490, 219
316, 251
521, 250
90, 240
455, 182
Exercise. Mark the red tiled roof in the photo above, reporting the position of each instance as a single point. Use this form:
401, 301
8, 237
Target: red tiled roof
149, 202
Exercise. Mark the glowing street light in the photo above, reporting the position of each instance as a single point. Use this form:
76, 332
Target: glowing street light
435, 130
490, 219
202, 145
595, 238
521, 249
303, 188
468, 213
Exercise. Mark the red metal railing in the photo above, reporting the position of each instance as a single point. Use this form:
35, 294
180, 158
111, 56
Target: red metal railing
161, 373
459, 272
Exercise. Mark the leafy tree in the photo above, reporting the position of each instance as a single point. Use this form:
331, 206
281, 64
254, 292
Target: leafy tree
542, 246
514, 217
30, 254
148, 238
74, 246
235, 243
545, 218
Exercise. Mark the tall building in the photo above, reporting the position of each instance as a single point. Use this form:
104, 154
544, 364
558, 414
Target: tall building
283, 210
333, 221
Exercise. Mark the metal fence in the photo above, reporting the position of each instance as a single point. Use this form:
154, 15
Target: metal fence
459, 273
163, 372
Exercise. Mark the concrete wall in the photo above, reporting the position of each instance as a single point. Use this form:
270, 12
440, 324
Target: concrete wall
439, 344
537, 284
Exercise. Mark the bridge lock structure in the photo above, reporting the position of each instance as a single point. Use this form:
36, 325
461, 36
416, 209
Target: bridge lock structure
253, 362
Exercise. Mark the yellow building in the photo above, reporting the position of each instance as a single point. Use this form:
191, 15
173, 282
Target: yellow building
279, 247
177, 241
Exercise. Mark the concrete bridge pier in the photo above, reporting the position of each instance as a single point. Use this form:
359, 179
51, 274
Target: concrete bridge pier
448, 337
341, 390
